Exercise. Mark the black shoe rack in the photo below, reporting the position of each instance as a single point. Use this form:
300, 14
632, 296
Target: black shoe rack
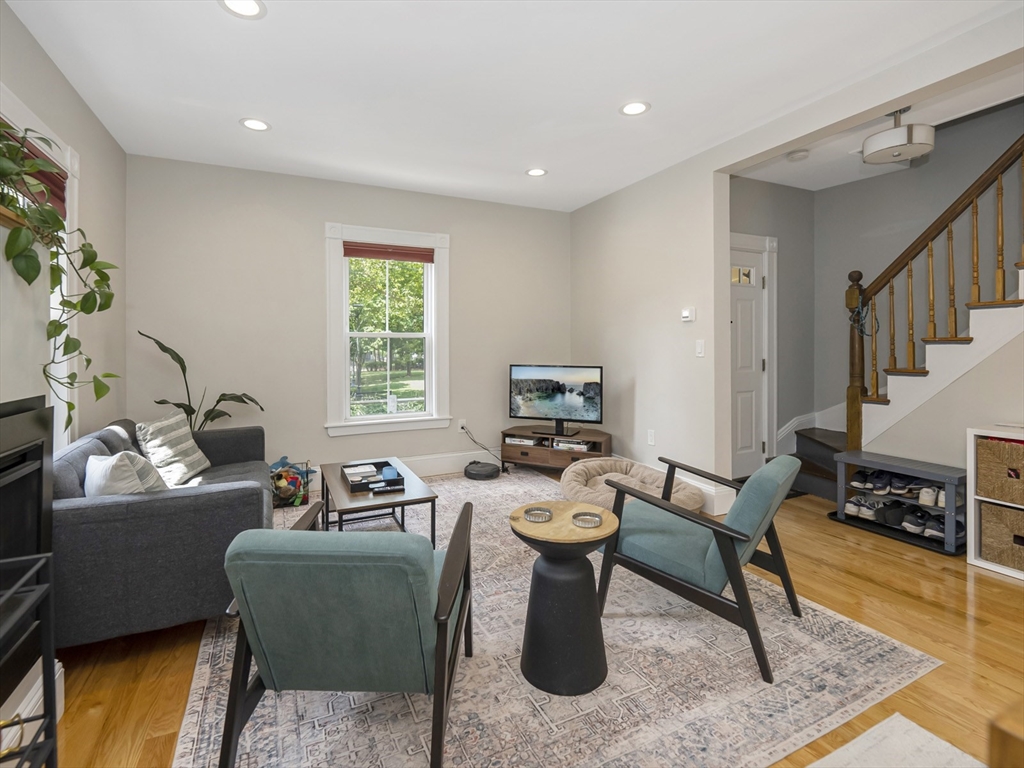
952, 479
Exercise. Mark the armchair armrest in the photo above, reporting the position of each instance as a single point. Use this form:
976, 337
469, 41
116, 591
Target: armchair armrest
456, 563
232, 445
674, 465
674, 509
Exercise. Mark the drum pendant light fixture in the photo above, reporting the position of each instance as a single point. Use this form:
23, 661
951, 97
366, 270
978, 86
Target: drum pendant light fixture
899, 143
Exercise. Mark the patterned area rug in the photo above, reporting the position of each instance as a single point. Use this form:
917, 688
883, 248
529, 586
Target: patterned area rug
683, 687
898, 741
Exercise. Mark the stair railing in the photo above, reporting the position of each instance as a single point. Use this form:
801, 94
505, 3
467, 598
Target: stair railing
861, 302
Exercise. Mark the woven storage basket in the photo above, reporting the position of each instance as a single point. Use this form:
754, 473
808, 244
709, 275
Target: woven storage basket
1000, 470
1002, 535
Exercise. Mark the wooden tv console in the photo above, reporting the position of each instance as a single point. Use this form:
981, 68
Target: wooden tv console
543, 454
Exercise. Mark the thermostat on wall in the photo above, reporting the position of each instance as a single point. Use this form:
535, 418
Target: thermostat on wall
689, 314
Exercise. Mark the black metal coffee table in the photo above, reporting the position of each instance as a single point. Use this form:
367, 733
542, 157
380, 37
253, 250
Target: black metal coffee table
563, 645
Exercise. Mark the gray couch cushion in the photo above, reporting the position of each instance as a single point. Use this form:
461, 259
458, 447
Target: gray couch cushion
232, 473
69, 466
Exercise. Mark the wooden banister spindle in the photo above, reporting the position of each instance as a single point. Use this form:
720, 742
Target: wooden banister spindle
892, 327
975, 285
874, 352
911, 347
1000, 274
1020, 264
951, 314
855, 390
931, 290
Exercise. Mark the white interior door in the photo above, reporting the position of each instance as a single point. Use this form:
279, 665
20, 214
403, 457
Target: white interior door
748, 363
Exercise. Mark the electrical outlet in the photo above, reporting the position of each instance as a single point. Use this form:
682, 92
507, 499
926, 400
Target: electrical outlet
462, 425
650, 437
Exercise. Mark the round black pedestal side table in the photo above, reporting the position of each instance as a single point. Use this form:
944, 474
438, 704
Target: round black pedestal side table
563, 645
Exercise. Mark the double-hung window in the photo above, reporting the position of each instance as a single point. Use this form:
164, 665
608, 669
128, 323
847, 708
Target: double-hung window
387, 330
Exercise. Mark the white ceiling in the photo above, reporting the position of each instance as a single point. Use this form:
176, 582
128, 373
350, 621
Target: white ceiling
837, 159
460, 98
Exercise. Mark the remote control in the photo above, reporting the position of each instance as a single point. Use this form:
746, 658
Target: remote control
390, 489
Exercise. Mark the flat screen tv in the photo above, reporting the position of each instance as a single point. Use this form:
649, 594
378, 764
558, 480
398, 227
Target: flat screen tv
558, 393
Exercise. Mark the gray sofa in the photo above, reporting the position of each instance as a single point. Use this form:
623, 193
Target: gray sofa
135, 563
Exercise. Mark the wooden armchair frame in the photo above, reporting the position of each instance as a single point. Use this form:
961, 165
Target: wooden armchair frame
739, 611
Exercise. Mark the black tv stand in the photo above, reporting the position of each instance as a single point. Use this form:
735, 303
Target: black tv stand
558, 431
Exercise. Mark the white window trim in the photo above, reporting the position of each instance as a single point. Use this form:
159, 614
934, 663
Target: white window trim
435, 306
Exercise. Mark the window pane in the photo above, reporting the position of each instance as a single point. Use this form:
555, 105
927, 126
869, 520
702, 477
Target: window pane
367, 283
408, 375
368, 376
405, 298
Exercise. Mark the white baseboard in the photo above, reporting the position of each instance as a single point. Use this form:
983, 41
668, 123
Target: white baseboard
785, 441
27, 701
718, 499
436, 463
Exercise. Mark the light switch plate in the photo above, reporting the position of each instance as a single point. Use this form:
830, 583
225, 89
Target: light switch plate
700, 347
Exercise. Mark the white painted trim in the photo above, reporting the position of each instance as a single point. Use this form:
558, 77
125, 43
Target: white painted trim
786, 437
20, 116
27, 700
768, 247
436, 303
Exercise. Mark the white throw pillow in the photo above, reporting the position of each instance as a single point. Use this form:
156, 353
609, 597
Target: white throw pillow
124, 472
169, 445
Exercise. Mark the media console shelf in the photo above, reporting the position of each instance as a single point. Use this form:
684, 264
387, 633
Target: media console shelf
543, 452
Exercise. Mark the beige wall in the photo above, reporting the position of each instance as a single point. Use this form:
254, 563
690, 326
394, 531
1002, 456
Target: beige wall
641, 254
35, 80
228, 267
990, 393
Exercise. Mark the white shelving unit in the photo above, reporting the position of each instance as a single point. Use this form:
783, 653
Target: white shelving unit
974, 501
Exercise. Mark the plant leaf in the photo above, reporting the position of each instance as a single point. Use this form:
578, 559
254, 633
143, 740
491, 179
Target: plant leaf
88, 361
169, 352
69, 419
8, 168
18, 241
56, 277
27, 266
104, 265
72, 377
88, 255
109, 376
215, 413
89, 302
55, 328
188, 409
99, 387
106, 299
71, 345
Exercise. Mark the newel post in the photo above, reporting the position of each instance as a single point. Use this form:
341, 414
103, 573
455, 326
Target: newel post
855, 391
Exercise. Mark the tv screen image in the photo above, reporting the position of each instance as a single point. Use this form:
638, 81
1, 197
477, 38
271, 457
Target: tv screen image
559, 392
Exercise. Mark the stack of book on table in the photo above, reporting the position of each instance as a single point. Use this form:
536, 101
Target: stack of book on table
523, 440
561, 444
361, 473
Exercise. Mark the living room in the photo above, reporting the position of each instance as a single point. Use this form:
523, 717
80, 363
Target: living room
223, 258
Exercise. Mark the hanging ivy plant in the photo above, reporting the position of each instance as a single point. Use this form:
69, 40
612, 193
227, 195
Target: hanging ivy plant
44, 231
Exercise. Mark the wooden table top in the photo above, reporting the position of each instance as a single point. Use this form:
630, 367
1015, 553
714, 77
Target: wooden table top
560, 528
416, 491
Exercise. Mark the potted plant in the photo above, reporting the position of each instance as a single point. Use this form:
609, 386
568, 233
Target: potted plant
37, 226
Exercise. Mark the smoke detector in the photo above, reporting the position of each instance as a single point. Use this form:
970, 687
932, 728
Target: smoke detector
899, 143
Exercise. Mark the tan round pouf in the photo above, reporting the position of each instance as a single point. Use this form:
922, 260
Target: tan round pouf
584, 481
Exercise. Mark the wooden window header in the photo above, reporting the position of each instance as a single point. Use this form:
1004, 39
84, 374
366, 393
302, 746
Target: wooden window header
388, 252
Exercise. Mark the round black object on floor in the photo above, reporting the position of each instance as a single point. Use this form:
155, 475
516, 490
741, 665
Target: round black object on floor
479, 470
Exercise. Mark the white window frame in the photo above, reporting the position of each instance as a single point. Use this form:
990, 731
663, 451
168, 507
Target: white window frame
435, 310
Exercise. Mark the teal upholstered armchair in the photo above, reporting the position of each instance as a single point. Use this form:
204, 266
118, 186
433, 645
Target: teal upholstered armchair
355, 611
695, 557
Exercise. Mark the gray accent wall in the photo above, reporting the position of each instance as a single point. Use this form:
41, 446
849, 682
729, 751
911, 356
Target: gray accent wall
786, 213
866, 224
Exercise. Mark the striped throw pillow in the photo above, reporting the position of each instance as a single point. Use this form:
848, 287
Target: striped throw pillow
124, 472
169, 445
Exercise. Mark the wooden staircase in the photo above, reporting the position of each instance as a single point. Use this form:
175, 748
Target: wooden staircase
815, 448
862, 303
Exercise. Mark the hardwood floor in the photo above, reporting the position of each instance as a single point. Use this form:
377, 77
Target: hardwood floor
126, 697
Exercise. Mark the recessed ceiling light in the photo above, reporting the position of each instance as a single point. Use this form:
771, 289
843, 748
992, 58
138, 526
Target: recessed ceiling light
634, 108
797, 155
245, 9
536, 172
255, 125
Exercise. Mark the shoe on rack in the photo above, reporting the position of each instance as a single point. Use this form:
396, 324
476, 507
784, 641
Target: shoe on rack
900, 484
880, 482
852, 508
869, 509
935, 528
928, 495
941, 501
859, 479
915, 486
891, 513
915, 521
